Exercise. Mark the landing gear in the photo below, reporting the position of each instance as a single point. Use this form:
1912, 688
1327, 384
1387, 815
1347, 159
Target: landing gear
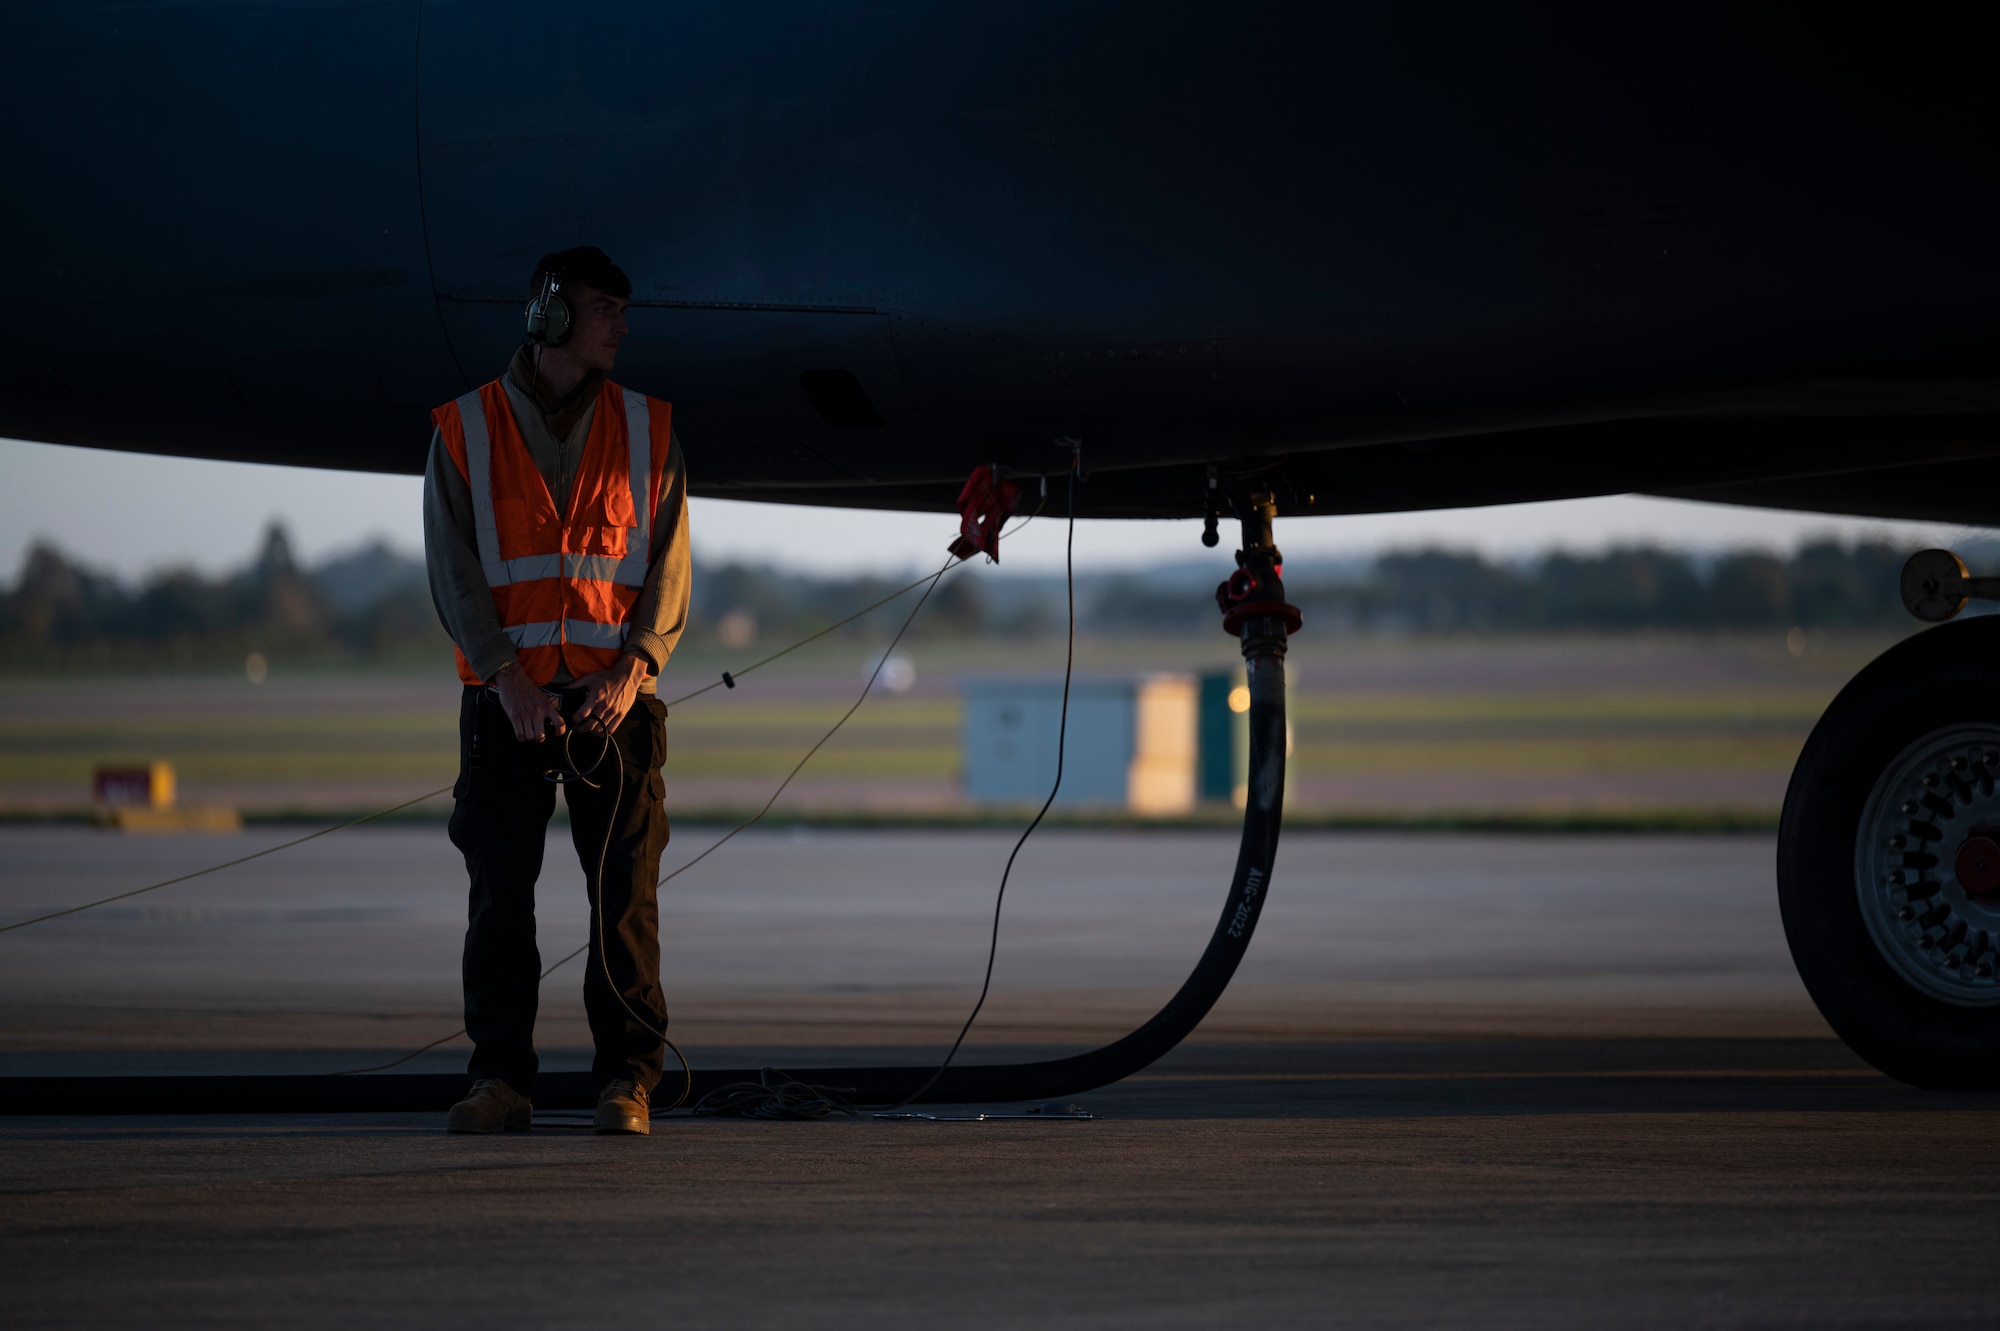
1889, 860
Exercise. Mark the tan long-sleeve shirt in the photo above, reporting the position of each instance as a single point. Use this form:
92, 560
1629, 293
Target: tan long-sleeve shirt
459, 589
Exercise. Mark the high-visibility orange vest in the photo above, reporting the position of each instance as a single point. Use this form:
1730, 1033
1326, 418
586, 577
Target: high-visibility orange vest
564, 584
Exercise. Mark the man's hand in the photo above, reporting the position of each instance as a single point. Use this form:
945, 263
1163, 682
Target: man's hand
528, 709
608, 694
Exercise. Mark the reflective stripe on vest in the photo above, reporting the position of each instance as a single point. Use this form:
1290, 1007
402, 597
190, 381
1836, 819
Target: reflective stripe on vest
629, 571
583, 632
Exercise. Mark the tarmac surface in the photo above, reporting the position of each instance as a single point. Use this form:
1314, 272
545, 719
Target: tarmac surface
1495, 1081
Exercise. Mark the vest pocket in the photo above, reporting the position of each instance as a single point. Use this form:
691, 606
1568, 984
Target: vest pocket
616, 504
611, 520
610, 541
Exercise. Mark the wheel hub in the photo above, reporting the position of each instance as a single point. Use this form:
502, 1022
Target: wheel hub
1977, 865
1927, 865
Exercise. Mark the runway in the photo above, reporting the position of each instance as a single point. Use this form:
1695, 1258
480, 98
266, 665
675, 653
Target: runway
1463, 1080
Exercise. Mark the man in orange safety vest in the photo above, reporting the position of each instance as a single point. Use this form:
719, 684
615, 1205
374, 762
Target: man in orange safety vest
555, 534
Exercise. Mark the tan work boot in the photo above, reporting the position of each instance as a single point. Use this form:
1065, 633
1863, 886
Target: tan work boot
493, 1106
624, 1106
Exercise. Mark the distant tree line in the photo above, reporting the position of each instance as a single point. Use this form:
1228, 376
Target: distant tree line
370, 604
1826, 584
374, 604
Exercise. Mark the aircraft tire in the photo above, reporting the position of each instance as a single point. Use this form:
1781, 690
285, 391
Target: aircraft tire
1891, 795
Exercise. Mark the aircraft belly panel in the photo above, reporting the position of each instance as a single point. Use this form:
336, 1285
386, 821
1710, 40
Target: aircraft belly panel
979, 228
225, 256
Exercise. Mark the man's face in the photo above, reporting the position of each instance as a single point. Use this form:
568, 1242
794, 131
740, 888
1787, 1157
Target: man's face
600, 327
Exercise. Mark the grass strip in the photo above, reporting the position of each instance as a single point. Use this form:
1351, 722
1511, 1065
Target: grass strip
1641, 821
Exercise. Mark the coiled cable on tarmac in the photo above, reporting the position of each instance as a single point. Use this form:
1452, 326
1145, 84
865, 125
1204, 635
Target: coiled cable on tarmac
774, 1094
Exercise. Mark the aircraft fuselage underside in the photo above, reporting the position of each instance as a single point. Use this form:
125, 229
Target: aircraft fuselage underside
1434, 254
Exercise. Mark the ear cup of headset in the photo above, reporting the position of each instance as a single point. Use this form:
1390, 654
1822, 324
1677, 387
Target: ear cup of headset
549, 317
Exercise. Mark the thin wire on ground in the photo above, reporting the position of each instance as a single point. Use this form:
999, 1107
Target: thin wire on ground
1062, 744
433, 794
226, 864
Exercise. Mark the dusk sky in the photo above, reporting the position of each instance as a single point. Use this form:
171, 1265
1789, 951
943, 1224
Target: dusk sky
132, 512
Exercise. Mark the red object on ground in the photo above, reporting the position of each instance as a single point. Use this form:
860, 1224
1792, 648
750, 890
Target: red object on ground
985, 503
1978, 865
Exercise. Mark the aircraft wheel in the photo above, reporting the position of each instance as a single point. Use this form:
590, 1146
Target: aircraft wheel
1889, 860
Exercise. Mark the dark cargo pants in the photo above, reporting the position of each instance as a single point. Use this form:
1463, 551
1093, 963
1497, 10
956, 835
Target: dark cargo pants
500, 824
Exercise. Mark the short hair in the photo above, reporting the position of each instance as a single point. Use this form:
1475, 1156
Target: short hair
585, 264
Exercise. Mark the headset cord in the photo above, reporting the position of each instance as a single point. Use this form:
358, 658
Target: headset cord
597, 911
687, 1075
607, 745
1062, 744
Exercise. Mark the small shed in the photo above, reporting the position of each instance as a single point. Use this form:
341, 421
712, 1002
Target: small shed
1132, 740
1224, 744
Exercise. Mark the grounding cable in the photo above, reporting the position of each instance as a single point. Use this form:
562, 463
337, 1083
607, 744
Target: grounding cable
767, 1098
1062, 744
226, 864
728, 679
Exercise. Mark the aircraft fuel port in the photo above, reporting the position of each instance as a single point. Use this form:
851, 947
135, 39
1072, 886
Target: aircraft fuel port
1252, 599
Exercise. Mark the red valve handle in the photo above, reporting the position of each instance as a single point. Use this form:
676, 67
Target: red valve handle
1232, 619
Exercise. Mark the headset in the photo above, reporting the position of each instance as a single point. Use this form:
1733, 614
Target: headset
549, 317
